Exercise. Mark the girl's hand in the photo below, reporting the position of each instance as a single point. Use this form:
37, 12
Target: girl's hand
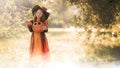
43, 27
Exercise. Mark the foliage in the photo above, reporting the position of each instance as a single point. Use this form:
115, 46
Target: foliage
12, 18
100, 20
101, 12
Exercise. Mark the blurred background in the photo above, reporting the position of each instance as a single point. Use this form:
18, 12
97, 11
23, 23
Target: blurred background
82, 33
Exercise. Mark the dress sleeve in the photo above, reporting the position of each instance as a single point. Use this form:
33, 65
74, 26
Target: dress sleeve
46, 24
30, 27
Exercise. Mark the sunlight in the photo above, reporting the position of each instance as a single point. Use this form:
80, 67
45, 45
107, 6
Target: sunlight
70, 29
49, 10
102, 30
80, 34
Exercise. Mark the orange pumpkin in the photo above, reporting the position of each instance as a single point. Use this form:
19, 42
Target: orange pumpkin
37, 27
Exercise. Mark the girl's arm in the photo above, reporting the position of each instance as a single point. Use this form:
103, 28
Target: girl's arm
46, 26
29, 25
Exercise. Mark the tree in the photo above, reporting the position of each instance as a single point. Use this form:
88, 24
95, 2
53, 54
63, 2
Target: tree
101, 12
13, 15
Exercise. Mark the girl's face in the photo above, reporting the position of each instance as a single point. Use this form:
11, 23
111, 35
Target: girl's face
39, 13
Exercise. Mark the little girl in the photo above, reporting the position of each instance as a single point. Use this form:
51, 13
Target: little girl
38, 27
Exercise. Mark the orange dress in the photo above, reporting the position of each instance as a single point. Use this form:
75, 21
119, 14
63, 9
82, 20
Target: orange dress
39, 44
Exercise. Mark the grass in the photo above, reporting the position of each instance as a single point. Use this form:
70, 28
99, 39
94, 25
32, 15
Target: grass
15, 52
66, 50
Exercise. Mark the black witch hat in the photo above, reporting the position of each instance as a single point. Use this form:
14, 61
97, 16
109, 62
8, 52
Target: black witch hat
36, 7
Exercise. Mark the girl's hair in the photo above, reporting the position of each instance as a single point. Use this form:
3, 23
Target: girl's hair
44, 10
